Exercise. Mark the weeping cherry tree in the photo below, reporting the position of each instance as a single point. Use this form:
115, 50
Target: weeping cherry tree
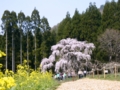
69, 54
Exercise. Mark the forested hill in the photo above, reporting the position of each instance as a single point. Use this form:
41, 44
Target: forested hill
31, 37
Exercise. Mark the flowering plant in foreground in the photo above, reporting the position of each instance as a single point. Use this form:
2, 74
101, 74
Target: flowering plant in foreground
25, 78
2, 53
6, 83
22, 81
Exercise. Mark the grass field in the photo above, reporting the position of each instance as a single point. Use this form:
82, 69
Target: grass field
107, 77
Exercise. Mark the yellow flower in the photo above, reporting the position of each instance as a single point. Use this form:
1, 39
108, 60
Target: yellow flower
7, 82
6, 72
25, 61
2, 88
2, 53
2, 82
11, 72
1, 74
1, 65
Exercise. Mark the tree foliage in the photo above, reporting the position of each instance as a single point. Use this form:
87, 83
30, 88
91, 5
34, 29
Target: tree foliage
90, 23
75, 25
64, 29
33, 39
21, 18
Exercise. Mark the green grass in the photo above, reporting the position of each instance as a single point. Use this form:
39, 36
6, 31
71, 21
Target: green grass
107, 77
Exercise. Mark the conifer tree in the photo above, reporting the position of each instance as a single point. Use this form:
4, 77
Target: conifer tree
35, 18
21, 18
90, 22
64, 28
5, 25
109, 15
75, 25
13, 24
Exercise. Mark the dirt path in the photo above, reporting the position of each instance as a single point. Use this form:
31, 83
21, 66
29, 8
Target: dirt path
90, 84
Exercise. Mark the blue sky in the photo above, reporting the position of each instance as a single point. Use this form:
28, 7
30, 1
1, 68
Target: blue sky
53, 10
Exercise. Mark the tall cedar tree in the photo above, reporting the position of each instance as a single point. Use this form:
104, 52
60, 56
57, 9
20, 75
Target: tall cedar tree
64, 29
75, 25
21, 18
90, 22
28, 28
5, 25
117, 16
109, 16
45, 45
13, 24
35, 18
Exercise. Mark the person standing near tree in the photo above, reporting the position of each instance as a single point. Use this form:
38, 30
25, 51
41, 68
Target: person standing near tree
64, 76
84, 73
80, 74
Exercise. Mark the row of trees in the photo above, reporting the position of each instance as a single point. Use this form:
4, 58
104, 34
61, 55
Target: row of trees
30, 37
25, 37
89, 25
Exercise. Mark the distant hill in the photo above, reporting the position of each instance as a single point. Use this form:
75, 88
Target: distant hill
55, 28
101, 8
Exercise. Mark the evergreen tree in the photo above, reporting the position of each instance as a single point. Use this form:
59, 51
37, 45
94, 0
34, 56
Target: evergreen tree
64, 28
30, 46
90, 22
116, 23
13, 24
28, 28
5, 26
35, 18
46, 44
75, 25
39, 41
109, 14
67, 31
45, 25
21, 18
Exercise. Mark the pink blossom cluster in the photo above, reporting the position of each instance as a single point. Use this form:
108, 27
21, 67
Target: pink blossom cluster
68, 53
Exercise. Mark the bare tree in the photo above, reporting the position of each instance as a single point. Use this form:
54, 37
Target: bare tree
110, 42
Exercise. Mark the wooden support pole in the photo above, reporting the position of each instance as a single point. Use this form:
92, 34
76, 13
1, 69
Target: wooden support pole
104, 71
98, 73
93, 72
115, 70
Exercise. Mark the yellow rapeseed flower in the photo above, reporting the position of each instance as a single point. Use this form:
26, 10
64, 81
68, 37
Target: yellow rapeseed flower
1, 65
2, 82
7, 83
25, 61
1, 74
2, 88
10, 82
2, 53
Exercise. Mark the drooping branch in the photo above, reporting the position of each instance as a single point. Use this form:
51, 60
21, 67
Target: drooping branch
70, 54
